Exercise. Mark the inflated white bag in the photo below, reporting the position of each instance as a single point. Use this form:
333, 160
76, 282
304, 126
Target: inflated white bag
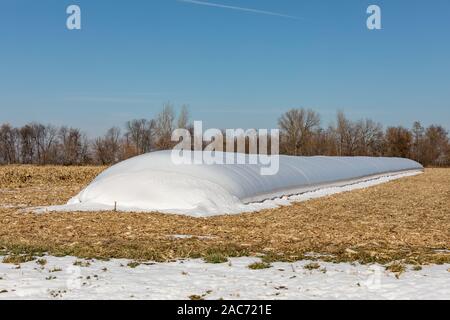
152, 182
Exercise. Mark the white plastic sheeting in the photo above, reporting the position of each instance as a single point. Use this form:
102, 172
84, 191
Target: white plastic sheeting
152, 182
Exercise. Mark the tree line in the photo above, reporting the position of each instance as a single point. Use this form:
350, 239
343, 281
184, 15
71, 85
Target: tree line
301, 134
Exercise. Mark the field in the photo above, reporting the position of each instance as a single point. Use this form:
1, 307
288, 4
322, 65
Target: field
406, 220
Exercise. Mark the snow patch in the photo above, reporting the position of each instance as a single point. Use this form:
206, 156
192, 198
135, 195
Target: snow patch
61, 279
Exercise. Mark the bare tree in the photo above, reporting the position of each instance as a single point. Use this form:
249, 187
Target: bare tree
49, 144
398, 142
436, 142
347, 134
183, 118
369, 138
107, 148
297, 126
73, 146
8, 144
164, 127
325, 142
140, 134
135, 133
27, 148
418, 142
44, 142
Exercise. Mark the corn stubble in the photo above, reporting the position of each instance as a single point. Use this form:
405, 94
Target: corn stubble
405, 221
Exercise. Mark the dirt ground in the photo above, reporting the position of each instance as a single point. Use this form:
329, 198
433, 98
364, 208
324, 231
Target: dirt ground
406, 220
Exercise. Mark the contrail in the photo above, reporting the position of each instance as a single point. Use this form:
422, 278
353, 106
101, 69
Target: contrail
218, 5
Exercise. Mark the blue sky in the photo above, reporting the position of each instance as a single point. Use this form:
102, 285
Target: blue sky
234, 68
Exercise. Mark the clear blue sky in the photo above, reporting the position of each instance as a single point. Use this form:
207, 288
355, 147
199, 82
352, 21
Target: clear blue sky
234, 68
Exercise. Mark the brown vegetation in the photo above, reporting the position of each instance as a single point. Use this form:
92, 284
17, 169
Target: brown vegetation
407, 220
301, 134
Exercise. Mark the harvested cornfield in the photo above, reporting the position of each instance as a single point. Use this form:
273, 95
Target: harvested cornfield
25, 186
30, 176
404, 220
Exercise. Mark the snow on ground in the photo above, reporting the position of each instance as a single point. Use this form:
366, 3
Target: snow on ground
61, 279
